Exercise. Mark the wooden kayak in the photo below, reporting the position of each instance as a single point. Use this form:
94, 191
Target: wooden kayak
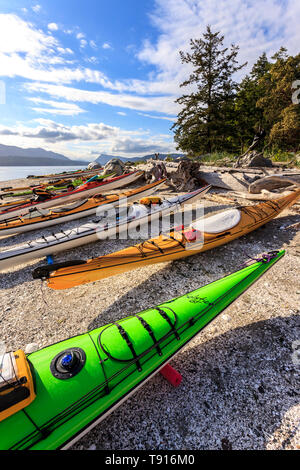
204, 234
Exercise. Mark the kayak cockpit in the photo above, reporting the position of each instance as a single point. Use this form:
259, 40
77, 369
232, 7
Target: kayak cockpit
16, 383
219, 222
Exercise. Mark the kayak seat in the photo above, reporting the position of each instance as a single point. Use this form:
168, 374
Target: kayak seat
137, 210
219, 222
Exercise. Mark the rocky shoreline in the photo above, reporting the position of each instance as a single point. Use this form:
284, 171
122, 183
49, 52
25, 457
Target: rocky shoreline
240, 382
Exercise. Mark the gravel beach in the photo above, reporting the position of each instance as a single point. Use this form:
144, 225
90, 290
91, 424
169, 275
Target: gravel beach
240, 387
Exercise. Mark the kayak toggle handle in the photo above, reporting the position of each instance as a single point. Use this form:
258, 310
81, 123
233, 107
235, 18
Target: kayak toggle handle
43, 272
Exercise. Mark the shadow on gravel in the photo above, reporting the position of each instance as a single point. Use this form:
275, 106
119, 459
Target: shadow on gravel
235, 393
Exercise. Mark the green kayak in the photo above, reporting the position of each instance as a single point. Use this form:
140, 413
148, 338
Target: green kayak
52, 397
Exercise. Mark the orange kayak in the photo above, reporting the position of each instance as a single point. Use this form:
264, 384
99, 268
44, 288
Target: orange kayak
202, 235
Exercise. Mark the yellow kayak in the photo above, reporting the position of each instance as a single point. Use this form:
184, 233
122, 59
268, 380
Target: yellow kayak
200, 236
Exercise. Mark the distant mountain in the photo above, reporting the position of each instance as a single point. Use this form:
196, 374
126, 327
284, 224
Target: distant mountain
104, 158
16, 156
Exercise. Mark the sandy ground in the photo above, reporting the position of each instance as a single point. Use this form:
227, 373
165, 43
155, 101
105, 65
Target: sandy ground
240, 386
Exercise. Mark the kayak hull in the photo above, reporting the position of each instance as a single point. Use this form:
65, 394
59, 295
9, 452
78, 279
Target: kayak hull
120, 358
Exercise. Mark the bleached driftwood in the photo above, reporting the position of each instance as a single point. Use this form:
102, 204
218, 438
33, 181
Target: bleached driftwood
234, 181
263, 196
270, 183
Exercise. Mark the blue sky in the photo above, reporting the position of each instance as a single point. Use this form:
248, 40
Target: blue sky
97, 76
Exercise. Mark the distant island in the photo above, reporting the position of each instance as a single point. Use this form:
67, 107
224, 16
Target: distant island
104, 158
16, 156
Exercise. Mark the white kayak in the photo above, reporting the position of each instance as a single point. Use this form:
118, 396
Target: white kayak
134, 216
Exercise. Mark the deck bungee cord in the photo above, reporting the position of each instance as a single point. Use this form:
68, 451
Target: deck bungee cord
80, 380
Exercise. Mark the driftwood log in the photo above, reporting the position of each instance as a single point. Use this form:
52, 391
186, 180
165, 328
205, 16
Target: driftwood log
187, 177
263, 196
258, 138
253, 159
273, 182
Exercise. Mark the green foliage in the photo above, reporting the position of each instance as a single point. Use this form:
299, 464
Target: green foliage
249, 118
279, 155
282, 117
219, 115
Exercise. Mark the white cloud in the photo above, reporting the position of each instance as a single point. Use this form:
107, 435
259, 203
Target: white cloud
141, 103
167, 118
56, 107
93, 44
141, 146
92, 60
36, 8
19, 36
83, 43
255, 26
79, 141
52, 26
106, 45
80, 36
121, 113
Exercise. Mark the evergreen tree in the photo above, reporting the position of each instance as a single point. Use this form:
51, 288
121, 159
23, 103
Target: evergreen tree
281, 116
249, 118
206, 121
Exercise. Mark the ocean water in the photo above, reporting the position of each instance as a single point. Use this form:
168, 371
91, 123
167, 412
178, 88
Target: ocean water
14, 172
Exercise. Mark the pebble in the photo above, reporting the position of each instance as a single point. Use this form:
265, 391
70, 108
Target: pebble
31, 347
225, 317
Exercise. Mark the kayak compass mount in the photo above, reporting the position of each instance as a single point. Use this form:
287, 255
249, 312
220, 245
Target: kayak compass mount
68, 363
